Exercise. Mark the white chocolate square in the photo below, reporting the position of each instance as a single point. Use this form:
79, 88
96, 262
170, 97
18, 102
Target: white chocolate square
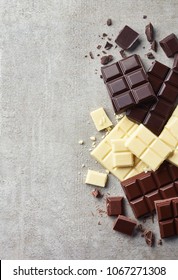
96, 178
122, 157
100, 119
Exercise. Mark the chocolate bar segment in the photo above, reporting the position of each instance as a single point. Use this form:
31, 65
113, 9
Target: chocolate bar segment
169, 45
126, 38
114, 206
167, 211
175, 63
125, 225
164, 82
144, 189
127, 83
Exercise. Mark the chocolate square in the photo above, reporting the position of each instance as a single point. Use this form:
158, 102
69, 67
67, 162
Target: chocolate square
169, 45
114, 206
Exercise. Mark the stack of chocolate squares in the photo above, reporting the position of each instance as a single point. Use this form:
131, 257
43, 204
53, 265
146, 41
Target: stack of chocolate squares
147, 166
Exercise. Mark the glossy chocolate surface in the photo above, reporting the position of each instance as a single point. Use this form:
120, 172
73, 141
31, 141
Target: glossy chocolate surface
144, 189
164, 82
114, 206
127, 83
169, 45
126, 38
125, 225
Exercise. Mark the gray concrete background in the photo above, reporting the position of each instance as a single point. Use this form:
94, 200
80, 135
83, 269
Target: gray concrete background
47, 90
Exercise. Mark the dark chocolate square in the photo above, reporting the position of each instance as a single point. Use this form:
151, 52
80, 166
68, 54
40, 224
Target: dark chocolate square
147, 183
117, 86
168, 191
136, 78
175, 207
169, 45
130, 64
132, 190
151, 198
167, 228
164, 210
111, 72
139, 207
123, 101
126, 38
124, 224
114, 206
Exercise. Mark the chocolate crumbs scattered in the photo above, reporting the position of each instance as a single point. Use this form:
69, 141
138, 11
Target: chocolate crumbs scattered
96, 193
154, 46
144, 17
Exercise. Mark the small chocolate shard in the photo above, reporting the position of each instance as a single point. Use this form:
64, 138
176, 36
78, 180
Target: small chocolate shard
149, 32
123, 54
86, 55
105, 35
160, 242
91, 55
108, 46
96, 193
140, 228
149, 237
101, 77
104, 52
106, 59
154, 46
144, 16
99, 47
109, 22
98, 54
150, 55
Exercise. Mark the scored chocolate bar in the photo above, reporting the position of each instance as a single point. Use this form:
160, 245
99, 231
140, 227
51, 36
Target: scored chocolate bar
164, 82
127, 83
144, 189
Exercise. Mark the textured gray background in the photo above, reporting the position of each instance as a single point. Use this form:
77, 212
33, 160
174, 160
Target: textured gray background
47, 90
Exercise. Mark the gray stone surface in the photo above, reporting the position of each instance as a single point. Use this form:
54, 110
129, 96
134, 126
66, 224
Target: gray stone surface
47, 90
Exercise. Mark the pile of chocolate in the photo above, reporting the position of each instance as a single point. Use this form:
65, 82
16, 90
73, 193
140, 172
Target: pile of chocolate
142, 149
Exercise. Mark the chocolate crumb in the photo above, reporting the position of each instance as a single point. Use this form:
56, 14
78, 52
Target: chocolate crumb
91, 55
109, 22
108, 46
140, 228
115, 46
143, 47
92, 213
109, 39
98, 54
106, 59
150, 55
105, 35
104, 52
149, 237
123, 54
160, 242
96, 193
154, 46
144, 17
86, 55
99, 223
101, 77
99, 47
149, 32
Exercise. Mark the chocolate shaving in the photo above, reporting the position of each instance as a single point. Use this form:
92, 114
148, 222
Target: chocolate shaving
91, 55
106, 59
96, 193
108, 46
99, 47
149, 32
149, 237
105, 35
123, 54
101, 77
109, 22
104, 52
150, 55
154, 46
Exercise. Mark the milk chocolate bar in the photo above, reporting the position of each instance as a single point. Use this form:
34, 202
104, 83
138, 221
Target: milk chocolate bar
127, 83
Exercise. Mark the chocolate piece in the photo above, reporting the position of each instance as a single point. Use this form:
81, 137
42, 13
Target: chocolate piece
160, 242
109, 22
105, 35
149, 237
169, 45
91, 55
104, 52
144, 189
96, 193
127, 83
144, 17
106, 59
124, 225
150, 55
149, 32
154, 46
167, 211
164, 82
99, 47
175, 63
114, 206
108, 46
126, 38
123, 54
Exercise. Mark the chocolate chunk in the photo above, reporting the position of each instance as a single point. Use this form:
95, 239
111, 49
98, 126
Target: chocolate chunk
144, 189
175, 63
126, 38
149, 237
164, 82
109, 22
123, 54
127, 83
114, 206
98, 54
99, 47
108, 46
105, 35
160, 242
96, 193
125, 225
150, 55
154, 46
169, 45
144, 17
106, 59
167, 211
91, 55
104, 52
149, 32
140, 228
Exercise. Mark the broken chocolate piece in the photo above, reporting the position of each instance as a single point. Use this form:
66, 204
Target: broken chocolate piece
106, 59
169, 45
105, 35
108, 46
154, 46
126, 38
91, 55
144, 17
149, 237
125, 225
99, 47
96, 193
114, 206
150, 55
149, 32
123, 54
109, 22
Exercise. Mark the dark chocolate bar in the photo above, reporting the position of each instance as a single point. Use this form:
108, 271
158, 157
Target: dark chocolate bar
167, 211
169, 45
144, 189
164, 82
125, 225
126, 38
127, 83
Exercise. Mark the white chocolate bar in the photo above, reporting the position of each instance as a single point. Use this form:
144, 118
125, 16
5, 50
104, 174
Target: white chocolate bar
96, 178
100, 119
